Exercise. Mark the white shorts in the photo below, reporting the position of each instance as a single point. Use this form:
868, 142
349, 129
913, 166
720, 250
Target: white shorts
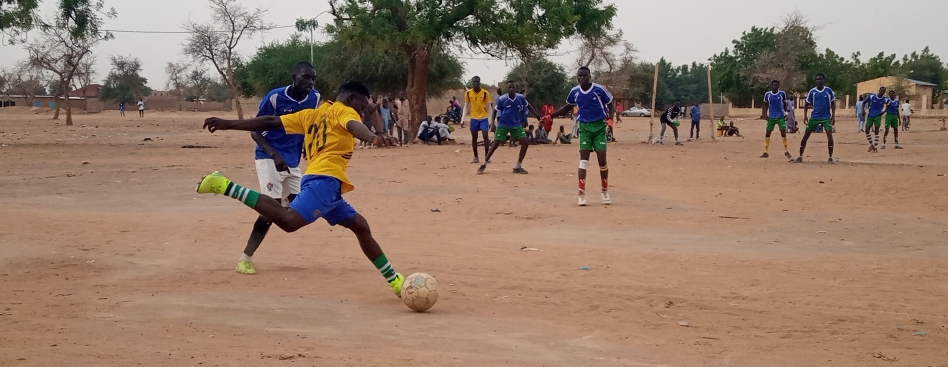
276, 184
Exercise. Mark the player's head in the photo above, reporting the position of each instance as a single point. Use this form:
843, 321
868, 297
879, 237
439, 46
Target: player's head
304, 76
437, 119
906, 100
353, 94
561, 128
583, 76
820, 82
775, 85
892, 94
511, 87
862, 98
375, 98
677, 103
881, 91
476, 82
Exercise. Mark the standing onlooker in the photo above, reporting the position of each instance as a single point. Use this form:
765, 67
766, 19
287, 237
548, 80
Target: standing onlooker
861, 113
906, 114
122, 109
792, 114
619, 112
695, 122
404, 120
141, 108
386, 111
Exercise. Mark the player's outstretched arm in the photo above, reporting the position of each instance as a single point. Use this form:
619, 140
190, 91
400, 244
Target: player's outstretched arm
562, 111
362, 132
255, 124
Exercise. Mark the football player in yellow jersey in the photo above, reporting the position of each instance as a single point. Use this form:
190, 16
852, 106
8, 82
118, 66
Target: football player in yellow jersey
330, 132
479, 100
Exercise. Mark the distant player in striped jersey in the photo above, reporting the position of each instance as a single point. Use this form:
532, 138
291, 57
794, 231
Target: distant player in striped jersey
823, 102
876, 107
891, 120
670, 118
778, 116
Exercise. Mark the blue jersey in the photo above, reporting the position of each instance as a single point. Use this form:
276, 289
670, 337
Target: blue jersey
695, 113
277, 103
893, 108
821, 100
510, 110
593, 103
775, 103
876, 104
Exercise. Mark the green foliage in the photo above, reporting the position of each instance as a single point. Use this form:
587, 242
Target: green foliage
729, 69
218, 91
124, 82
384, 70
543, 81
640, 82
16, 16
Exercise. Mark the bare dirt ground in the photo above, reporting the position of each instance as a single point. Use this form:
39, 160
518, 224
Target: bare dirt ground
109, 258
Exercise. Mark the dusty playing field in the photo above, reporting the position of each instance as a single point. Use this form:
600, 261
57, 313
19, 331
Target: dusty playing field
109, 258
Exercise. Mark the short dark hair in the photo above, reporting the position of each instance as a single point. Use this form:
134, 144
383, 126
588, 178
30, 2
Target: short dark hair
437, 119
300, 65
821, 75
511, 82
354, 86
475, 77
584, 68
775, 81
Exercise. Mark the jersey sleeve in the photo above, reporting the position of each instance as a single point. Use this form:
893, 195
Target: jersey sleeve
467, 97
295, 123
605, 95
488, 98
809, 97
831, 94
266, 107
572, 96
348, 114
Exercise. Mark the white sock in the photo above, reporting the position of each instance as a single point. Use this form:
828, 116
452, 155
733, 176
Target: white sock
244, 257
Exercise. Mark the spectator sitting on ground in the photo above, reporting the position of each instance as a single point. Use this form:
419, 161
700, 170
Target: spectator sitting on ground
721, 125
426, 132
562, 137
443, 131
530, 134
541, 137
733, 131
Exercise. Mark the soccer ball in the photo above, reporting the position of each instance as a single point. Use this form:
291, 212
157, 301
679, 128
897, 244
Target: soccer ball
419, 291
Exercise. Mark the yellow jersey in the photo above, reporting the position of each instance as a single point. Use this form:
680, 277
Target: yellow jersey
328, 144
478, 102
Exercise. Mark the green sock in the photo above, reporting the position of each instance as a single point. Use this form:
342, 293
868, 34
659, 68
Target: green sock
385, 267
245, 195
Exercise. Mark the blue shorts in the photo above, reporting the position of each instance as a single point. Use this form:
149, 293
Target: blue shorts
480, 125
321, 196
693, 122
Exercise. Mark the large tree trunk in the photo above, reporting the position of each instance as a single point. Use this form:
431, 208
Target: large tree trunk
68, 110
234, 93
59, 90
418, 56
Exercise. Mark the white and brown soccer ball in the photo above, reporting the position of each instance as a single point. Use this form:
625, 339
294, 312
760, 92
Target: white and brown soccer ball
420, 291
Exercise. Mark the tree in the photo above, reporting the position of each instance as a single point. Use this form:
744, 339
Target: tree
793, 46
125, 83
497, 27
216, 42
218, 91
67, 42
543, 81
382, 69
16, 16
177, 82
198, 83
640, 82
926, 67
729, 68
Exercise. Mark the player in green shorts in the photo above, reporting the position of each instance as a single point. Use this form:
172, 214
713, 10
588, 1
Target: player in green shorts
777, 116
823, 101
594, 105
892, 118
509, 117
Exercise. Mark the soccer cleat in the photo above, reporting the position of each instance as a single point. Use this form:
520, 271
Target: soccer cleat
661, 142
397, 284
246, 267
798, 160
582, 199
475, 160
482, 168
520, 170
898, 146
765, 155
678, 143
788, 155
882, 146
605, 198
831, 161
214, 183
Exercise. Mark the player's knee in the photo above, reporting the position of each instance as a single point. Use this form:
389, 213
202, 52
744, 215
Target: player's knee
583, 163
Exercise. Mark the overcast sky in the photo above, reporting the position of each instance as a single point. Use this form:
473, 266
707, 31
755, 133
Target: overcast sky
681, 31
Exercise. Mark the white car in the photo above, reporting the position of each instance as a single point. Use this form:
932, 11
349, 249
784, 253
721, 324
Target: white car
637, 112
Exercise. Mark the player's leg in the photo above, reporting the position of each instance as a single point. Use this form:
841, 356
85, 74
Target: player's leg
691, 134
604, 175
885, 135
271, 184
867, 128
875, 140
583, 164
475, 128
499, 135
370, 247
270, 208
675, 130
786, 145
768, 131
486, 135
829, 140
661, 134
697, 126
806, 136
520, 136
895, 133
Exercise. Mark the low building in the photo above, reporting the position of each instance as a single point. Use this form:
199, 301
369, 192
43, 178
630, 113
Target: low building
918, 91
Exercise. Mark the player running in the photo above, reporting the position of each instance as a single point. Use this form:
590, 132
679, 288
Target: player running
876, 103
892, 119
511, 108
823, 101
778, 116
670, 118
277, 156
480, 100
329, 133
594, 105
